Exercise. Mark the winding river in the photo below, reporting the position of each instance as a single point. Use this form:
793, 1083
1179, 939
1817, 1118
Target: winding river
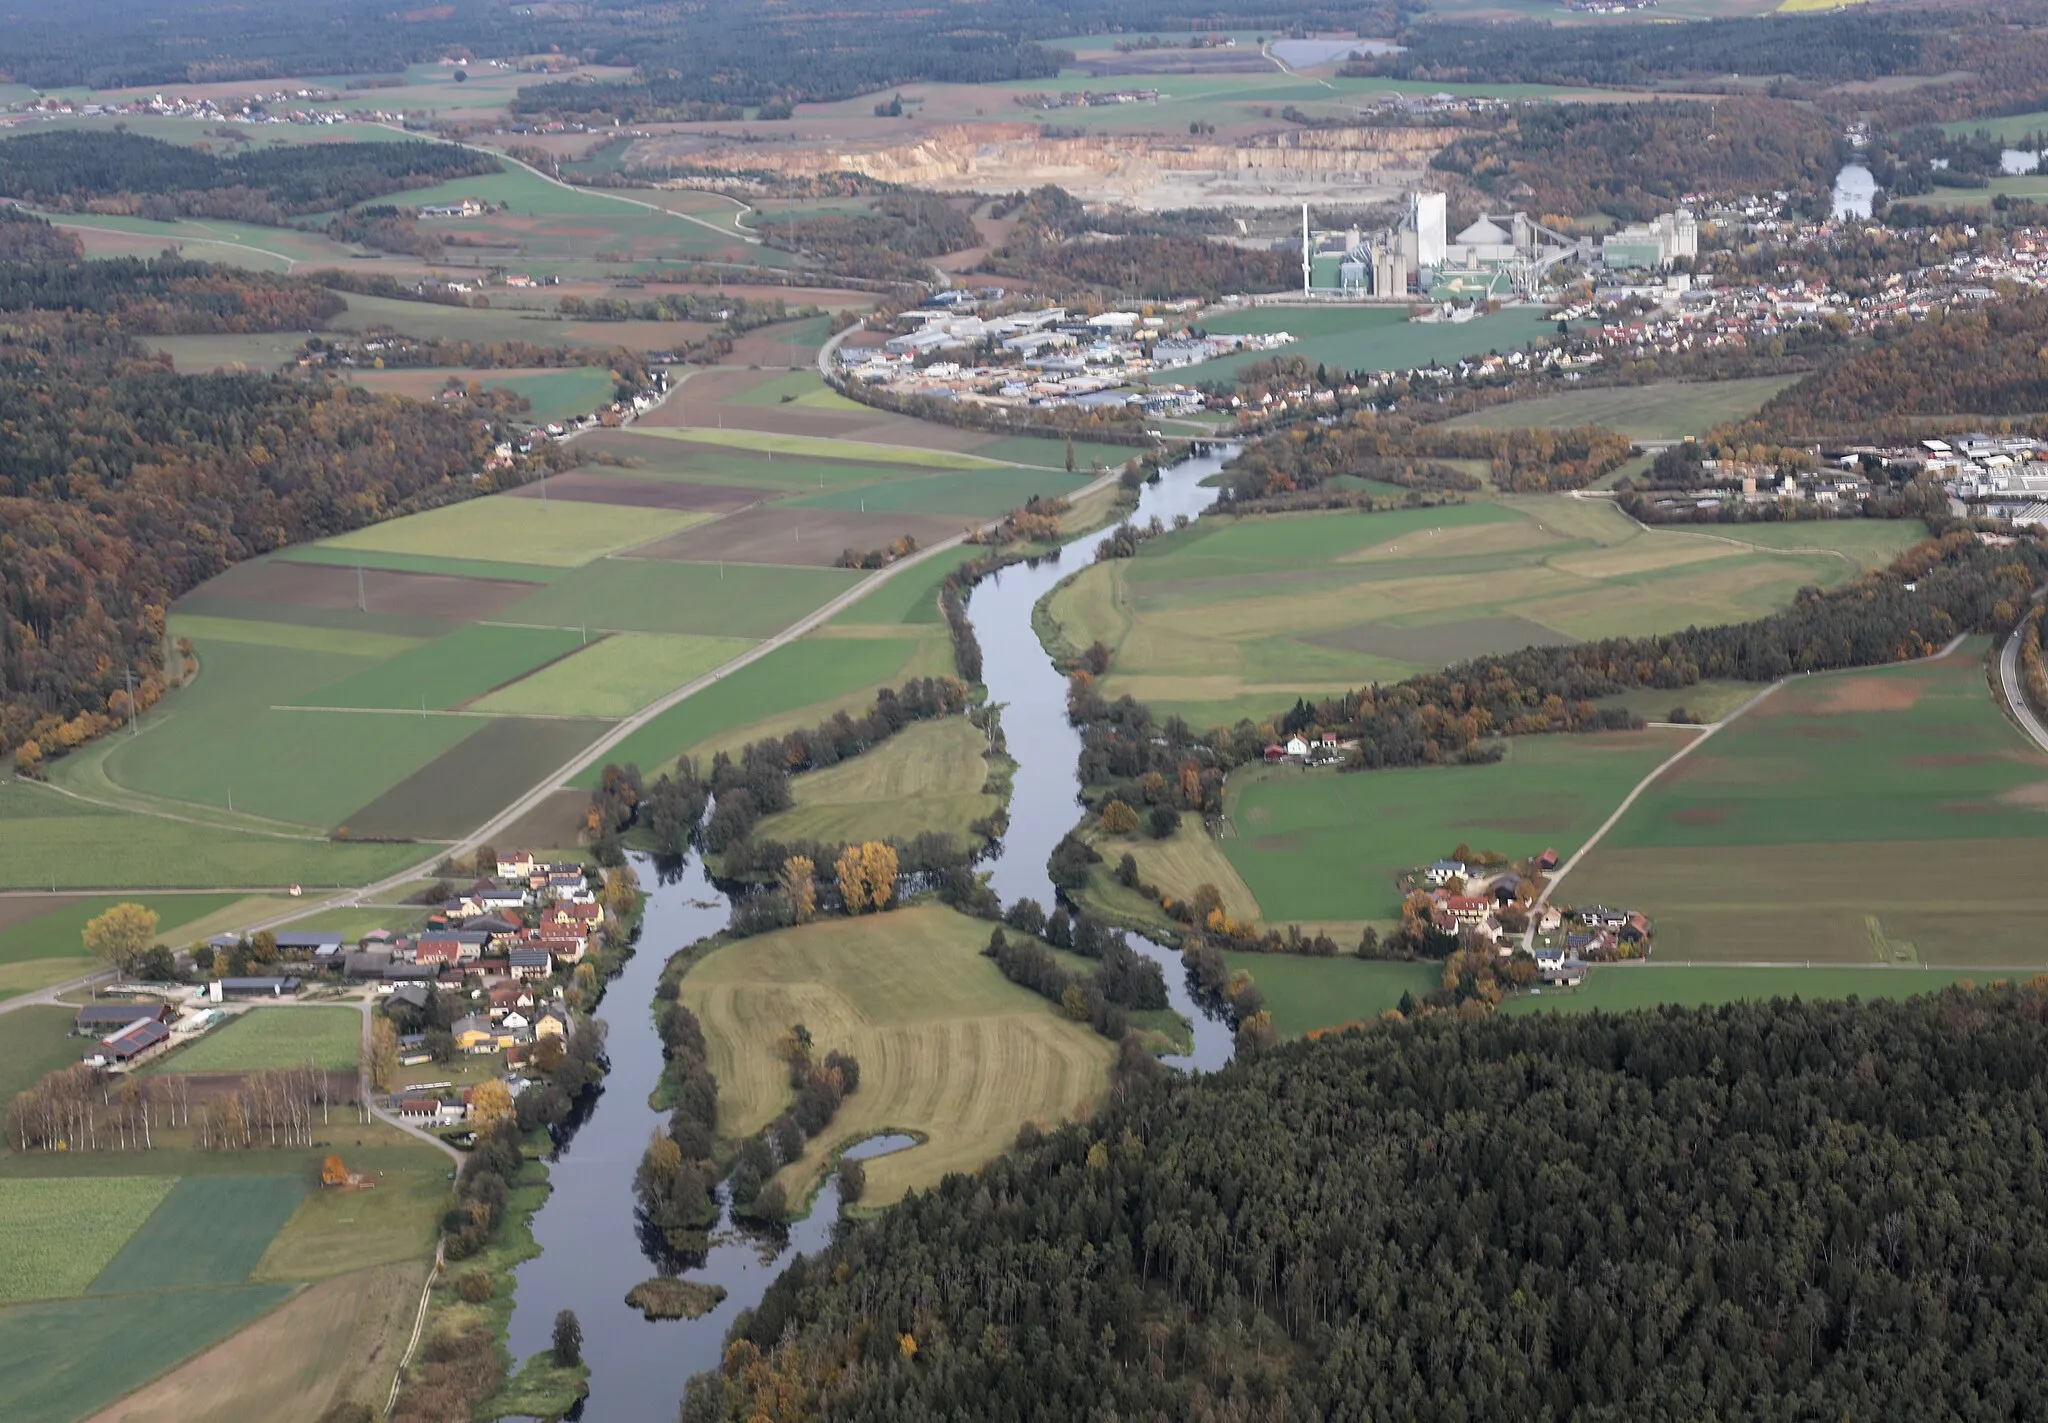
591, 1252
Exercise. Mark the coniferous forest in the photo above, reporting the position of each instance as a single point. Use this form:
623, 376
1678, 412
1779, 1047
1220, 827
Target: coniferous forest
1767, 1211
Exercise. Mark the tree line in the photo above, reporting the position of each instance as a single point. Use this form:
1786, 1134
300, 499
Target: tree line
1933, 592
1562, 1215
1398, 450
80, 170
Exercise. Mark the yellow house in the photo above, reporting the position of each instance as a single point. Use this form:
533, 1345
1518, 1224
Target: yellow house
549, 1025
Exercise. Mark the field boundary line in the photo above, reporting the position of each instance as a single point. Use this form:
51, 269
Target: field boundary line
1715, 538
439, 711
419, 1324
1630, 799
141, 809
198, 241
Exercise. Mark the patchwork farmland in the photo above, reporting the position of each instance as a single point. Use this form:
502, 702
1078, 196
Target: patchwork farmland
124, 1264
1237, 619
404, 682
1323, 847
1846, 819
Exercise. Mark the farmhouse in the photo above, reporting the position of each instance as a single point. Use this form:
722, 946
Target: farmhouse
97, 1018
1469, 908
129, 1043
306, 946
255, 988
531, 963
1445, 870
1568, 973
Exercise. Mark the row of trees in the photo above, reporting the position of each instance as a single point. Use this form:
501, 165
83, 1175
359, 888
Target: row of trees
1933, 592
1397, 450
1426, 1219
81, 1108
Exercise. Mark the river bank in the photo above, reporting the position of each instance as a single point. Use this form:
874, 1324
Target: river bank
592, 1252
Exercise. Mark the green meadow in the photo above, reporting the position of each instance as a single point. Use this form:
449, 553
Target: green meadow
1366, 338
1328, 845
810, 671
1665, 410
1304, 994
1238, 618
261, 1039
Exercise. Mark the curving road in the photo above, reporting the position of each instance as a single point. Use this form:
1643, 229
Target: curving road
2015, 695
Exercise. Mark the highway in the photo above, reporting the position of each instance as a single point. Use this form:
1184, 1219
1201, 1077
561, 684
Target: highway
2015, 694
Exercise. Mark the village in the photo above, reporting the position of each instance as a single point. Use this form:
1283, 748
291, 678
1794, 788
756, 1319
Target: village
1489, 901
489, 989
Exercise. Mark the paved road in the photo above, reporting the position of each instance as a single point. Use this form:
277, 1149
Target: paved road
2015, 695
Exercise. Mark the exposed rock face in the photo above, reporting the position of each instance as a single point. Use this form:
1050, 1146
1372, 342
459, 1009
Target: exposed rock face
1345, 164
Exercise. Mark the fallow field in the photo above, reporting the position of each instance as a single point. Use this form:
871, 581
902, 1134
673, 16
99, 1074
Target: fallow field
1890, 816
948, 1048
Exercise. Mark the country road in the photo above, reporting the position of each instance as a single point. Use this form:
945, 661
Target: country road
2015, 695
620, 731
1550, 886
504, 157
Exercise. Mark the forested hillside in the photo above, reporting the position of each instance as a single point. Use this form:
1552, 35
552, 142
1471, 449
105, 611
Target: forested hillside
1633, 161
1986, 362
736, 53
77, 170
126, 484
1796, 1211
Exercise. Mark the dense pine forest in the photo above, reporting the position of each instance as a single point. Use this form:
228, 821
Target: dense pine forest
107, 172
127, 484
1784, 1210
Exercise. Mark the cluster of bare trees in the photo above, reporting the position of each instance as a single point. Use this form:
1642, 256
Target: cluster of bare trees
269, 1109
83, 1108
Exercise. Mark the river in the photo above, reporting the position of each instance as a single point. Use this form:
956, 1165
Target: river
591, 1253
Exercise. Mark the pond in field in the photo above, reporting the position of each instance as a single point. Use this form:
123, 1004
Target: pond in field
1855, 191
592, 1248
